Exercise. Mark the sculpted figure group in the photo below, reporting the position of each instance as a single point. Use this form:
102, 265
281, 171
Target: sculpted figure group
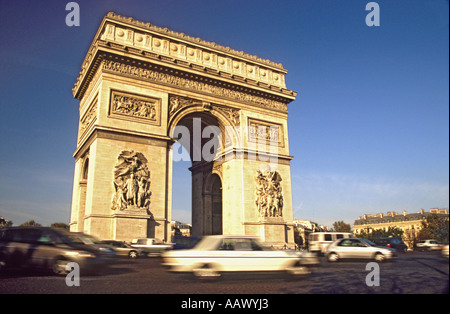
269, 196
131, 182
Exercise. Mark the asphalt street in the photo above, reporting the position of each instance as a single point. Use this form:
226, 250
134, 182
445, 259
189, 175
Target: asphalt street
410, 273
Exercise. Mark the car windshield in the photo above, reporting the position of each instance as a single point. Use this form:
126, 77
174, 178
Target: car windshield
68, 237
369, 242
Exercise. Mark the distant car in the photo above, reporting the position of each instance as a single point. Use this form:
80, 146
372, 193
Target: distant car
428, 245
123, 248
356, 248
151, 246
107, 250
318, 242
215, 255
444, 251
47, 248
393, 243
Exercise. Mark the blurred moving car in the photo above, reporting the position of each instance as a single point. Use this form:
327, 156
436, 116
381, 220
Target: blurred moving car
444, 251
105, 250
47, 248
123, 248
428, 245
319, 241
151, 246
214, 255
393, 243
357, 248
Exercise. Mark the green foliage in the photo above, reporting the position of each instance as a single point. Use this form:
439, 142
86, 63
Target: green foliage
61, 225
434, 227
341, 226
30, 223
394, 232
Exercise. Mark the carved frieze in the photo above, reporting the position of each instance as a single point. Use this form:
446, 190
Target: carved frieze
194, 84
88, 118
178, 102
270, 133
269, 194
135, 107
131, 182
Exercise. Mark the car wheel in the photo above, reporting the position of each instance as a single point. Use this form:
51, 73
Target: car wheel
59, 266
298, 269
379, 257
205, 271
333, 257
132, 254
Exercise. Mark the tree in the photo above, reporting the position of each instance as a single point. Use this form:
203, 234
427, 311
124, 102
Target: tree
61, 225
371, 234
5, 223
434, 227
30, 223
341, 226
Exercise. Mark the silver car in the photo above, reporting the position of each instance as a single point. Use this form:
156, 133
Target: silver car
356, 248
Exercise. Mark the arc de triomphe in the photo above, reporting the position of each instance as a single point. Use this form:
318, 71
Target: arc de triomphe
142, 88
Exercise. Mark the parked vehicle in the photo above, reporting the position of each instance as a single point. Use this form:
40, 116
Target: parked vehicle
355, 248
393, 243
319, 241
214, 255
428, 245
151, 245
124, 249
47, 248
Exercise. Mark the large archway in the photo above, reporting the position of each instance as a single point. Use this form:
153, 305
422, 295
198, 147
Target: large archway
142, 88
198, 131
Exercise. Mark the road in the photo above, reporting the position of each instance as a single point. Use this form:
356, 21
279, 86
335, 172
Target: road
410, 273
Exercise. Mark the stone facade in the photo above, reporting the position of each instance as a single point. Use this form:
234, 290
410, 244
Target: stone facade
139, 86
409, 223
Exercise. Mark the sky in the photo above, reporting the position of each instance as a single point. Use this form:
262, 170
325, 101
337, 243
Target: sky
369, 129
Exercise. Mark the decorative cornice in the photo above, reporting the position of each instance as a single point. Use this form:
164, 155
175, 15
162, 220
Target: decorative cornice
195, 40
143, 42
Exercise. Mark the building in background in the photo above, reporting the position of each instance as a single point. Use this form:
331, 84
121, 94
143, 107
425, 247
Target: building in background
410, 224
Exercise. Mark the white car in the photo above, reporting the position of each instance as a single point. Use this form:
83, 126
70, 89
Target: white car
429, 245
356, 248
151, 246
214, 255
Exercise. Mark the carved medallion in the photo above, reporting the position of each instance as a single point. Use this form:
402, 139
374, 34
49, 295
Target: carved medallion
131, 182
269, 195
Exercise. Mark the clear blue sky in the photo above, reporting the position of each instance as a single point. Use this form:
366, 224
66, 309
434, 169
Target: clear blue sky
369, 130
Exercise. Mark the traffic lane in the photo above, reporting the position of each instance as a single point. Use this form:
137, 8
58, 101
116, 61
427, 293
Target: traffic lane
410, 273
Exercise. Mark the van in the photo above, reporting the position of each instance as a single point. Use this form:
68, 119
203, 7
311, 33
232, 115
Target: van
319, 241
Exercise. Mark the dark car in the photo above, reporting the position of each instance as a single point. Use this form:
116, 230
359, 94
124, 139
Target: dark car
46, 248
184, 243
392, 242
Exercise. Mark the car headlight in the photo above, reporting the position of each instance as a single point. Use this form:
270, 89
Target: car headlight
80, 254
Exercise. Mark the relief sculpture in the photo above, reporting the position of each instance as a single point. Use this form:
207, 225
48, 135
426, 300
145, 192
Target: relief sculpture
134, 106
269, 196
131, 182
